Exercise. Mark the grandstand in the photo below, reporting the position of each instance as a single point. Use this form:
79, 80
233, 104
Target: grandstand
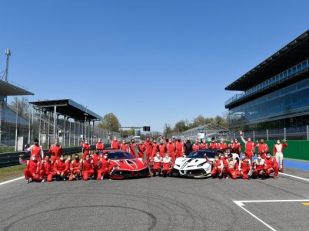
275, 94
11, 123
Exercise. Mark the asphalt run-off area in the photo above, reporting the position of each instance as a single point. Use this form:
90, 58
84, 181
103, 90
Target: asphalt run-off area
158, 203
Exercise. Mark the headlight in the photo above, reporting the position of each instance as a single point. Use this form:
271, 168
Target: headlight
208, 167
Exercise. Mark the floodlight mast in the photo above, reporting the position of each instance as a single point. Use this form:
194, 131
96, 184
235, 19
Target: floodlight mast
6, 72
4, 99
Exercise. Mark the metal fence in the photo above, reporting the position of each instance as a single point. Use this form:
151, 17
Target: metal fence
11, 159
292, 133
19, 130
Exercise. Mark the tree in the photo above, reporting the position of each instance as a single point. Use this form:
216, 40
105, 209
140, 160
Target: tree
22, 105
127, 133
209, 121
167, 130
180, 126
199, 121
220, 122
110, 122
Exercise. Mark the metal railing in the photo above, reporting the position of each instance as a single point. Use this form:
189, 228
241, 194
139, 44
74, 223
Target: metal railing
292, 133
11, 159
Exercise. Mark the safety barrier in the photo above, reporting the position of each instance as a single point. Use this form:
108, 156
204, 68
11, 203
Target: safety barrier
11, 159
297, 149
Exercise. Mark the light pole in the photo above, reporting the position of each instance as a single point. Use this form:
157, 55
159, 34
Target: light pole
29, 126
1, 101
70, 132
85, 127
8, 54
16, 127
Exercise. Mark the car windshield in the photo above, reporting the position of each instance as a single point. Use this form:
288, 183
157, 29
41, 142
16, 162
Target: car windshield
120, 155
202, 153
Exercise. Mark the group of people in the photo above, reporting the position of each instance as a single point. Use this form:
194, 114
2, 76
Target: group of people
225, 166
42, 167
159, 155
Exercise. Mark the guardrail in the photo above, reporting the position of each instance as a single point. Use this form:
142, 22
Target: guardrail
12, 158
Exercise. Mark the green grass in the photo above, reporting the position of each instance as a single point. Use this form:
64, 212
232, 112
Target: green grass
6, 149
9, 173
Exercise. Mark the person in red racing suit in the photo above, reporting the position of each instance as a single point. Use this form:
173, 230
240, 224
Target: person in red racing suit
171, 150
155, 149
32, 170
179, 148
75, 172
141, 149
36, 150
46, 169
162, 149
259, 167
103, 167
249, 146
55, 151
222, 146
124, 147
218, 167
132, 147
271, 166
99, 146
245, 167
86, 149
235, 147
115, 144
68, 165
60, 169
232, 169
262, 148
203, 145
213, 144
95, 159
87, 168
157, 164
166, 165
148, 149
196, 146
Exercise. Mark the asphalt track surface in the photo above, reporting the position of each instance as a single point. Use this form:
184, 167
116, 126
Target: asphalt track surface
156, 204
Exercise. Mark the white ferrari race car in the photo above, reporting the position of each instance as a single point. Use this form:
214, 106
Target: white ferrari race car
197, 164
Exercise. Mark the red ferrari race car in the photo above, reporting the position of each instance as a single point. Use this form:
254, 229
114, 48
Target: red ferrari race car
124, 165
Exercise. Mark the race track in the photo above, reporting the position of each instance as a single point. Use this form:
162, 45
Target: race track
155, 204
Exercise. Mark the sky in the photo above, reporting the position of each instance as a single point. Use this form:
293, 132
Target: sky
149, 62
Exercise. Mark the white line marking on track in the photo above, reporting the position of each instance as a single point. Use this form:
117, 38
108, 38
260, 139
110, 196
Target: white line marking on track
269, 201
296, 177
10, 181
241, 204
